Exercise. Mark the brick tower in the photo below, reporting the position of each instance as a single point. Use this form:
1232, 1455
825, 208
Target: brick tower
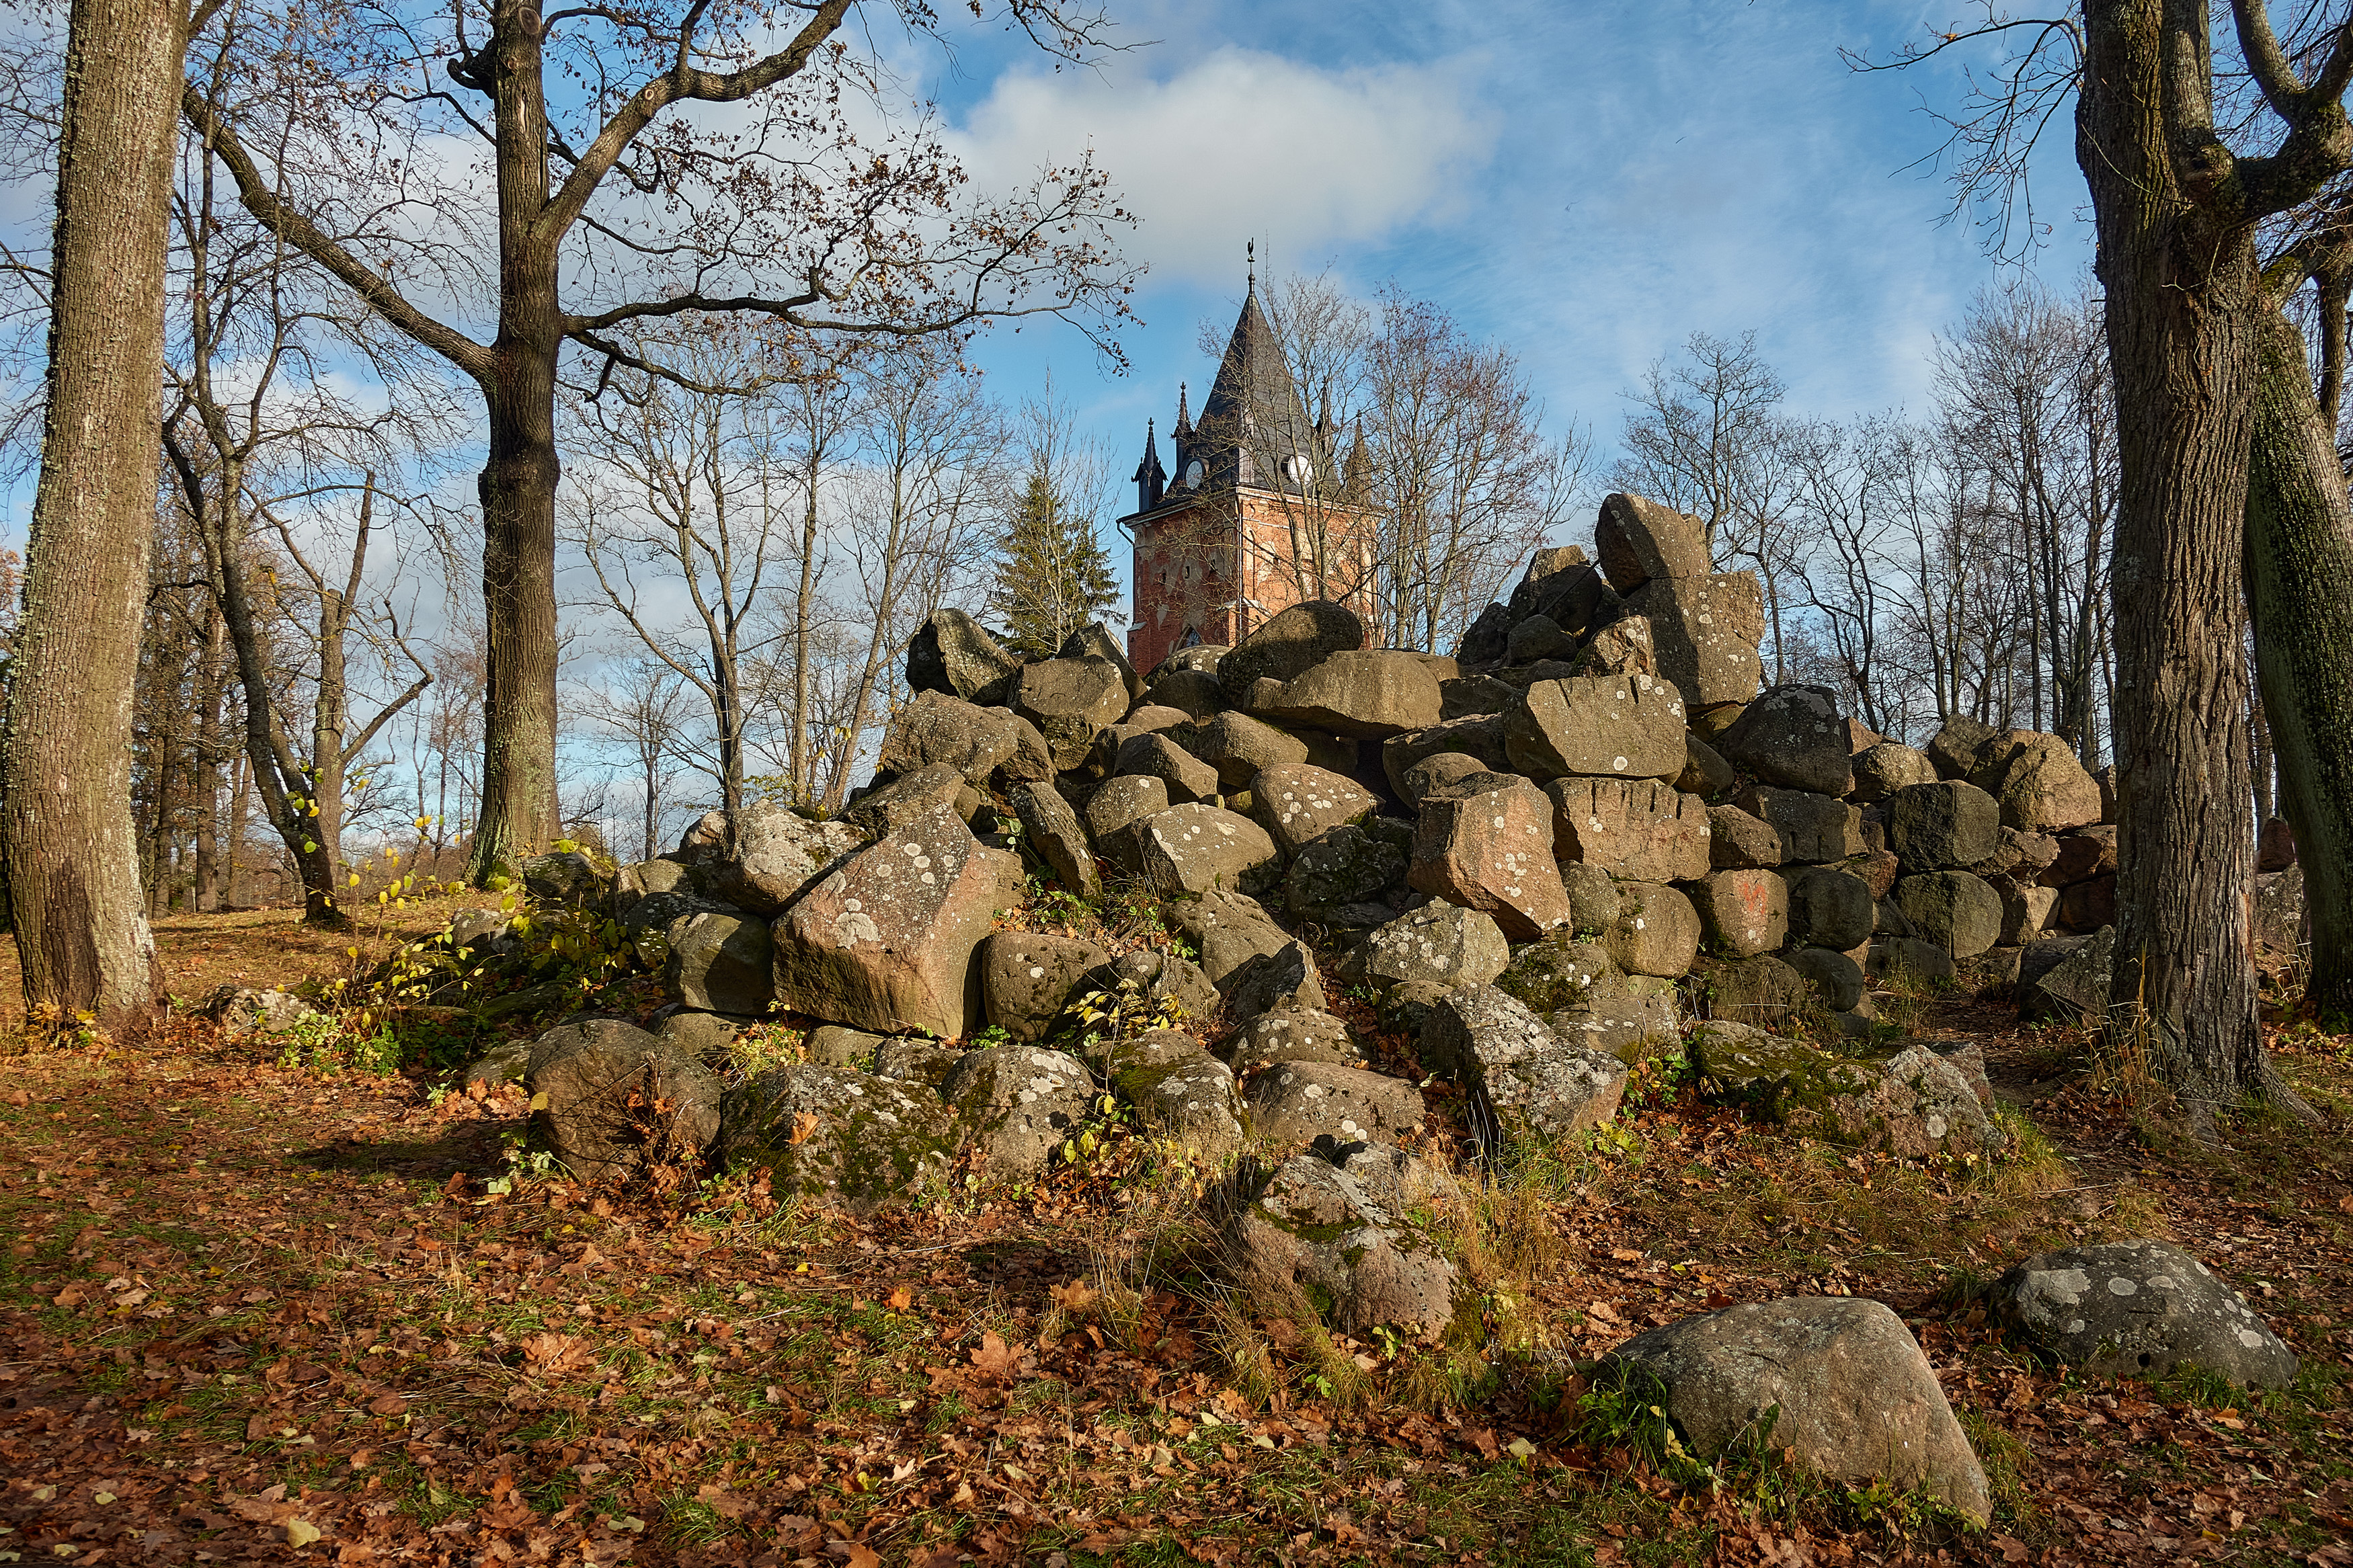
1258, 515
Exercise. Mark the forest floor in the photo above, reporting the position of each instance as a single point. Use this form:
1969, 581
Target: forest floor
258, 1304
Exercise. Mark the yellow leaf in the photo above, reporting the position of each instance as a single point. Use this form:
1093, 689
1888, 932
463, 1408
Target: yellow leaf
301, 1532
539, 1101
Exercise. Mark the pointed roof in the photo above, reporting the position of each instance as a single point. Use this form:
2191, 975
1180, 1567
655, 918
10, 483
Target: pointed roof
1252, 377
1146, 470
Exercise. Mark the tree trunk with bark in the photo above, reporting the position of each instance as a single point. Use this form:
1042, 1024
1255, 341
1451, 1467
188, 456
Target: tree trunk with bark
2299, 576
83, 938
2177, 262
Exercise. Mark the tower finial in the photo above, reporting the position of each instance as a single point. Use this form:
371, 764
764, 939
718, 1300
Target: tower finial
1251, 252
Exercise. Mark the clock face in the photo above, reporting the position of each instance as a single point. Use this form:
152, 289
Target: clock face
1194, 472
1297, 470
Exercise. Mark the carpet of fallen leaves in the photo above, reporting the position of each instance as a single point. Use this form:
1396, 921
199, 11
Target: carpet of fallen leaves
250, 1313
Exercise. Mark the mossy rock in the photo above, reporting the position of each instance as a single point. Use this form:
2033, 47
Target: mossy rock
842, 1137
1560, 971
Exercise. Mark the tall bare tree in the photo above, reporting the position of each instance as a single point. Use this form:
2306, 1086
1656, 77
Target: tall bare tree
689, 165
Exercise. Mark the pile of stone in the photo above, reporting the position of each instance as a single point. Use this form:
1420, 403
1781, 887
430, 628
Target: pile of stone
1542, 854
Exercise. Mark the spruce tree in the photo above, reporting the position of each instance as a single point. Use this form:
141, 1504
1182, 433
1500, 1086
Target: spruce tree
1053, 576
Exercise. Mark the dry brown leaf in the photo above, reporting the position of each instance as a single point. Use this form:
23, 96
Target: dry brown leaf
997, 1358
387, 1404
862, 1556
900, 1299
1077, 1296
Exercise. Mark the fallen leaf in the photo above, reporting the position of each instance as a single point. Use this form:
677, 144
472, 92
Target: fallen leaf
1483, 1439
862, 1556
900, 1299
301, 1532
73, 1295
1077, 1296
387, 1404
995, 1357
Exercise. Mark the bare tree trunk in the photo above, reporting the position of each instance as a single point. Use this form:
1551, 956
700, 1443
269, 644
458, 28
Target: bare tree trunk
206, 895
2299, 577
517, 815
2178, 268
82, 940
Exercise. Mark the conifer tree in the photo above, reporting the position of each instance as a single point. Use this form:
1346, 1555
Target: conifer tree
1053, 574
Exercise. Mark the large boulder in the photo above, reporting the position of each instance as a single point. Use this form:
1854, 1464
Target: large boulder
1743, 912
1835, 977
1814, 829
1188, 1101
1311, 1236
1911, 1102
1954, 751
1340, 876
1936, 826
1294, 1102
1228, 929
2042, 787
1094, 641
1288, 645
1113, 811
1290, 1034
1051, 828
1561, 973
1959, 912
1237, 746
1272, 982
1442, 943
568, 879
2081, 855
885, 943
952, 653
2279, 909
2141, 1309
1638, 539
777, 852
1563, 588
1828, 908
1740, 841
1657, 930
1835, 1381
1478, 737
1626, 726
719, 961
2066, 980
894, 803
1522, 1076
1196, 848
1792, 736
609, 1100
1642, 830
1028, 978
1070, 700
1367, 692
1706, 630
1019, 1104
851, 1140
1758, 990
1881, 769
1627, 1027
1297, 804
1705, 772
976, 742
1493, 851
1158, 975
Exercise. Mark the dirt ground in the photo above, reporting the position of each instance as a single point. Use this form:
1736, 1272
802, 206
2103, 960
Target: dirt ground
257, 1305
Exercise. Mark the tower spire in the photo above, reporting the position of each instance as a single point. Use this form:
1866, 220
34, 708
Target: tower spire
1250, 255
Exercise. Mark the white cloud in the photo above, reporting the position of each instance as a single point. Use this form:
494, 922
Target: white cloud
1240, 144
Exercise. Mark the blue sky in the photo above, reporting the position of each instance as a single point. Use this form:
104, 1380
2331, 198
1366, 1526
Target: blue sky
1589, 182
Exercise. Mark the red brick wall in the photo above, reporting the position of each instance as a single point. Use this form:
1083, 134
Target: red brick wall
1184, 574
